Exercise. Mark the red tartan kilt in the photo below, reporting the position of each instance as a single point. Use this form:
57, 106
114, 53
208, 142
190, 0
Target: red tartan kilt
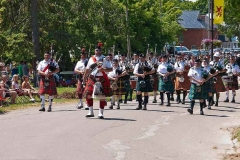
184, 85
90, 86
133, 84
50, 90
219, 86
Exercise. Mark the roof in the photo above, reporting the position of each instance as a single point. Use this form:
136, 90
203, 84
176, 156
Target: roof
191, 20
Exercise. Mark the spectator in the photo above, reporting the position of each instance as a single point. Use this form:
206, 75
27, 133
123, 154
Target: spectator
14, 70
26, 86
20, 70
9, 92
25, 69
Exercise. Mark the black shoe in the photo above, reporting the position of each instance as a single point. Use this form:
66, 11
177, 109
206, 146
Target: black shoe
42, 109
209, 107
168, 104
100, 117
190, 111
118, 107
125, 102
79, 107
201, 113
179, 101
113, 104
86, 108
49, 109
90, 115
216, 104
172, 99
139, 107
144, 107
161, 103
183, 102
226, 100
111, 107
233, 101
154, 101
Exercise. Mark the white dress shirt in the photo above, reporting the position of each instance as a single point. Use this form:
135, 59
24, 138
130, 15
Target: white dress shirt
43, 64
196, 73
80, 66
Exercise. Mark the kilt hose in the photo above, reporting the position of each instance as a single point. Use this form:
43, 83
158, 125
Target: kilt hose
182, 85
107, 91
155, 83
209, 86
166, 86
147, 88
233, 84
50, 90
193, 94
219, 86
121, 90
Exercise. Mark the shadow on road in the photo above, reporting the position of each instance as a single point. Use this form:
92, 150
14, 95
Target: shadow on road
119, 119
223, 110
159, 111
212, 115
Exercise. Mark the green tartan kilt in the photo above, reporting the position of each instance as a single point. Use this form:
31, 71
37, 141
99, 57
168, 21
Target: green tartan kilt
121, 90
166, 86
127, 85
148, 87
193, 94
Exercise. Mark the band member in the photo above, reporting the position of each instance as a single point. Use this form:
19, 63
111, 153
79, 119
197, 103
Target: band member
153, 60
117, 82
143, 70
126, 66
133, 83
166, 85
182, 80
231, 80
220, 68
197, 89
47, 85
80, 69
97, 80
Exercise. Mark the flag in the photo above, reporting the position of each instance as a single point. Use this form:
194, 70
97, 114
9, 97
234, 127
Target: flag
218, 11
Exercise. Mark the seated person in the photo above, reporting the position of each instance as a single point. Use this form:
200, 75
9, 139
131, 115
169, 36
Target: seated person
17, 88
8, 91
26, 87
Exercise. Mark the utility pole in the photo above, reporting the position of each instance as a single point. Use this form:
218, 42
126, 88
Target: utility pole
127, 27
212, 8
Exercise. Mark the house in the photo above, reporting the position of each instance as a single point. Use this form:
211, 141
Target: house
196, 29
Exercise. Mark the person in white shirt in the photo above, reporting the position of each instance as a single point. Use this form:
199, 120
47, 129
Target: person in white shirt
143, 71
80, 69
96, 72
231, 82
197, 89
47, 85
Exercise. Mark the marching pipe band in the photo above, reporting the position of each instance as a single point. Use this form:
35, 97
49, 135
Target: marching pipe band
110, 77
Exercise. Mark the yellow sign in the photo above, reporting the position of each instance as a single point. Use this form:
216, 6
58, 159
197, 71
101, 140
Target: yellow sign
218, 11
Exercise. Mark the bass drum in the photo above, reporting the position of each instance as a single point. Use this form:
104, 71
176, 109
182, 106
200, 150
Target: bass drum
133, 82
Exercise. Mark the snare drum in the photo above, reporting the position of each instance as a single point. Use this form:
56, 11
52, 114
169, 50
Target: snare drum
133, 82
227, 79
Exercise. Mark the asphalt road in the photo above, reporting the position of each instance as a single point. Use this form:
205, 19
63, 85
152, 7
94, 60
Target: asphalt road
160, 133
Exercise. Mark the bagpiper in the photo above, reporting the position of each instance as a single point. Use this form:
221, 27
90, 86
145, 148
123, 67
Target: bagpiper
143, 71
154, 62
79, 70
197, 89
231, 79
97, 84
166, 85
182, 80
220, 68
117, 82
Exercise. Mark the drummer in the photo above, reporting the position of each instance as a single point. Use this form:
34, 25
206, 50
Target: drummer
134, 62
231, 82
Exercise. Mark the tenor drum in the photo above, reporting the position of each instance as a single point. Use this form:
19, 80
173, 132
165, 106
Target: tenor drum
227, 79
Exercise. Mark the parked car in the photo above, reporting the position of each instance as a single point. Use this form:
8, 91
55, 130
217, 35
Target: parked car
177, 49
195, 52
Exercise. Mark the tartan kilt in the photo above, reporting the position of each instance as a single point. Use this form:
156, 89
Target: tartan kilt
193, 94
50, 90
209, 85
232, 85
182, 85
147, 88
166, 86
121, 90
219, 86
155, 83
90, 86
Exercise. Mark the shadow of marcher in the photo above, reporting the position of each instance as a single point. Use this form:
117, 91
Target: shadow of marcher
119, 119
